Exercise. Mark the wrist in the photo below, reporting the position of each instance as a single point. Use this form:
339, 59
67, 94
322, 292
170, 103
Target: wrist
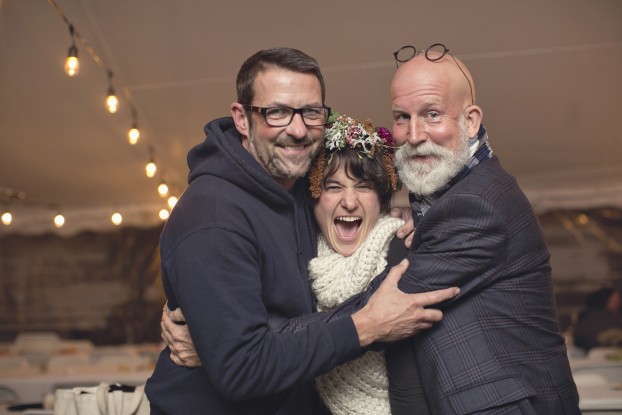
364, 328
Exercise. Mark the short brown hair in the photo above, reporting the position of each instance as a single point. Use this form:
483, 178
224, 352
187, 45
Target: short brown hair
287, 58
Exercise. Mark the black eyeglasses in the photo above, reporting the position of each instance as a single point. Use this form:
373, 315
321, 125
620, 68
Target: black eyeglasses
434, 53
283, 116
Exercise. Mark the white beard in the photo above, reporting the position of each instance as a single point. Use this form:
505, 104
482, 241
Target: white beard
426, 178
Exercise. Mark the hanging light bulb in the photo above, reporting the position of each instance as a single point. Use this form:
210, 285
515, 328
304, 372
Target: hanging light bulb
172, 201
112, 102
72, 64
116, 218
134, 134
59, 220
150, 169
163, 189
7, 218
164, 214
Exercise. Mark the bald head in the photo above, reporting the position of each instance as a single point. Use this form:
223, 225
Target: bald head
448, 72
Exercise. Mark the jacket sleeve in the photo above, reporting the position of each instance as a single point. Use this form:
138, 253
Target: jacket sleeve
215, 276
461, 242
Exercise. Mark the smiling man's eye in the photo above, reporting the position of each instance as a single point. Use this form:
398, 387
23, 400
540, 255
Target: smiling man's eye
400, 118
278, 112
433, 116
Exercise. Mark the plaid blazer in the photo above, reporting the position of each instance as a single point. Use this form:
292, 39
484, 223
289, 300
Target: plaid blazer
498, 346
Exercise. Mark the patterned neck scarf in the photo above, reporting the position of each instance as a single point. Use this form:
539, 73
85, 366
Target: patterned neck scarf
480, 150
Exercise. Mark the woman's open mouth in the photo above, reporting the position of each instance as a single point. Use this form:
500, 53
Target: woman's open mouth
347, 227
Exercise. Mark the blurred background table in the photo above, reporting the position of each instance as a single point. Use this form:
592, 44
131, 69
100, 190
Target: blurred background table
37, 364
599, 380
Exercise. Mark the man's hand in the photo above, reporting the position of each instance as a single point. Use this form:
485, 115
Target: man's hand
407, 230
391, 314
176, 335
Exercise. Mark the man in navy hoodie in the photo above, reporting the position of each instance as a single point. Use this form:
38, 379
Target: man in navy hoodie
235, 251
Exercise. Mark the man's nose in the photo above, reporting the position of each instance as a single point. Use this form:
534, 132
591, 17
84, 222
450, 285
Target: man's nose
416, 131
297, 127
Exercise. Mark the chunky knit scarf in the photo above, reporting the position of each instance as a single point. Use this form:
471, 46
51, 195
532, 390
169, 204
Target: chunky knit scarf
360, 386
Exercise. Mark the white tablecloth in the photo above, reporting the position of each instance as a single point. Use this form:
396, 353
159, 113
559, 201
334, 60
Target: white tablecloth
4, 410
598, 398
600, 385
32, 387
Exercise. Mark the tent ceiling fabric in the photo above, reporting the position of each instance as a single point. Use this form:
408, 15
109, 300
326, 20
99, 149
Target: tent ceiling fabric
547, 76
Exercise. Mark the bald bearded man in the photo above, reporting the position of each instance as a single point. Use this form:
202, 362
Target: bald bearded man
498, 349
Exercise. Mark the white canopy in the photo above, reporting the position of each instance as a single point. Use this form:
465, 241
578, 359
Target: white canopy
547, 76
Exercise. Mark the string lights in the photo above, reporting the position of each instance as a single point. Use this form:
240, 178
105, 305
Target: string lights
59, 220
163, 189
72, 64
134, 133
164, 214
34, 214
72, 69
6, 196
150, 167
116, 218
112, 102
172, 201
7, 218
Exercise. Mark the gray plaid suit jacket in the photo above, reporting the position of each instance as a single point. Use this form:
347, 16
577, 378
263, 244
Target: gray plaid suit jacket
498, 349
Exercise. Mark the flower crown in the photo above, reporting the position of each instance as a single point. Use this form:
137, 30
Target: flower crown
345, 131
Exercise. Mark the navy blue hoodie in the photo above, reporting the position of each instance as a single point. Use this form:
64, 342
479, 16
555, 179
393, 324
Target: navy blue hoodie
234, 257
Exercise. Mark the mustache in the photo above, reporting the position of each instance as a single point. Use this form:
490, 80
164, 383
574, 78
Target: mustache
424, 149
286, 140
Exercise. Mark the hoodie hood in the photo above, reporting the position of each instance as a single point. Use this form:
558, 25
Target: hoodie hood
222, 155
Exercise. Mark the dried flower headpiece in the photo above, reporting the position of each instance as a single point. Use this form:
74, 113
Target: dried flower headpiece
346, 132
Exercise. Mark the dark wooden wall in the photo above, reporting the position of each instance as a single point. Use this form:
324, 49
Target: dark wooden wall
101, 286
106, 286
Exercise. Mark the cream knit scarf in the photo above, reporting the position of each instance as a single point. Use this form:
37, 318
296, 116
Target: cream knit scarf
360, 386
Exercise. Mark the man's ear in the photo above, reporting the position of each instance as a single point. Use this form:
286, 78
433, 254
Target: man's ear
473, 118
240, 119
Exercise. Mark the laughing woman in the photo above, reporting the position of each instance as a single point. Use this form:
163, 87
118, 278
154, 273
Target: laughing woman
352, 182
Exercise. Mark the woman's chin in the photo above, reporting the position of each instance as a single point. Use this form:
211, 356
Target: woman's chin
346, 248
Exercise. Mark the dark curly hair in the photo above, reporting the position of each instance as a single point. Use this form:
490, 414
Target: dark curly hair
378, 170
